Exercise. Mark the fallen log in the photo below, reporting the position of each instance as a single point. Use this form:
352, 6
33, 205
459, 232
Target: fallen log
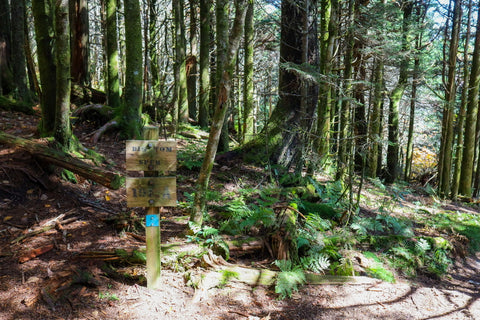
59, 158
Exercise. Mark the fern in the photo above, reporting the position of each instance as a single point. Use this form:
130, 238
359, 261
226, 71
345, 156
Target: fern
422, 246
314, 222
317, 262
289, 278
363, 226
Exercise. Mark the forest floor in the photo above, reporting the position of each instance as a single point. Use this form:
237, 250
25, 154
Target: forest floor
66, 277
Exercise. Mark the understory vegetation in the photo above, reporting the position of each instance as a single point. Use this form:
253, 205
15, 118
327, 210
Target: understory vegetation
312, 226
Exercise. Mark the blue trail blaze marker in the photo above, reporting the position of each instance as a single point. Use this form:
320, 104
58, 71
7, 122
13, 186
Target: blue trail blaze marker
152, 220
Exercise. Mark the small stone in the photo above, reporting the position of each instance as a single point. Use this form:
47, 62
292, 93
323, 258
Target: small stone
43, 197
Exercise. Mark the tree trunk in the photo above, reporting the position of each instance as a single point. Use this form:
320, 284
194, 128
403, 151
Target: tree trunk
180, 62
465, 186
63, 130
360, 118
222, 10
79, 42
113, 83
132, 105
462, 112
420, 14
191, 63
396, 97
204, 102
220, 111
18, 50
376, 118
446, 145
345, 112
152, 47
328, 36
248, 122
5, 48
43, 18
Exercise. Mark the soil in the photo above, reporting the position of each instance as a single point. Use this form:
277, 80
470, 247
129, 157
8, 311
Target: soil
66, 277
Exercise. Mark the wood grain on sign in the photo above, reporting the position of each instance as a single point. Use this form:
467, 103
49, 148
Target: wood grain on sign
151, 192
151, 155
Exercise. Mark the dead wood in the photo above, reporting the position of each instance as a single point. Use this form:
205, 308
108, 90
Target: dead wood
54, 223
84, 94
59, 158
35, 253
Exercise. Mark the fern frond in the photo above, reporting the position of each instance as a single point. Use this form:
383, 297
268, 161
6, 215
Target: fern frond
422, 246
317, 262
288, 281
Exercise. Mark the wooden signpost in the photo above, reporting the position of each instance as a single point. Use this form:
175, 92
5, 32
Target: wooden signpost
152, 157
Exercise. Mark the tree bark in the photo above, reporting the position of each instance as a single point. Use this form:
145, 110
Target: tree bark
111, 44
328, 30
221, 41
79, 42
43, 15
466, 175
180, 62
18, 50
5, 48
132, 105
345, 133
396, 97
204, 98
446, 145
462, 111
220, 111
63, 131
248, 121
191, 63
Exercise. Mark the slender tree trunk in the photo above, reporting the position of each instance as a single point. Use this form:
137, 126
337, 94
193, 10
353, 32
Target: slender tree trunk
248, 106
18, 50
191, 64
396, 97
152, 47
446, 146
345, 113
222, 11
420, 15
328, 36
376, 118
204, 98
43, 18
63, 130
411, 119
466, 176
220, 111
180, 60
360, 119
113, 82
5, 48
463, 107
132, 105
79, 31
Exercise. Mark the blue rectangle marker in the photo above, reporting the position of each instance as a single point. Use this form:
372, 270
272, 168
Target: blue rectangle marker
153, 220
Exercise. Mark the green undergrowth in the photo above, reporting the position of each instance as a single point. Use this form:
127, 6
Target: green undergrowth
384, 243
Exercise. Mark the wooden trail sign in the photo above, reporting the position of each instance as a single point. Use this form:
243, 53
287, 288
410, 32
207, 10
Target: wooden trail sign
151, 191
151, 155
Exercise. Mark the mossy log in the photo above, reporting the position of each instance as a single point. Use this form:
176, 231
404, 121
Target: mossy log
83, 94
59, 158
12, 105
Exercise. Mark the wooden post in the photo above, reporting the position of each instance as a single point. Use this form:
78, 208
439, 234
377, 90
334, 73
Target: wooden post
153, 226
